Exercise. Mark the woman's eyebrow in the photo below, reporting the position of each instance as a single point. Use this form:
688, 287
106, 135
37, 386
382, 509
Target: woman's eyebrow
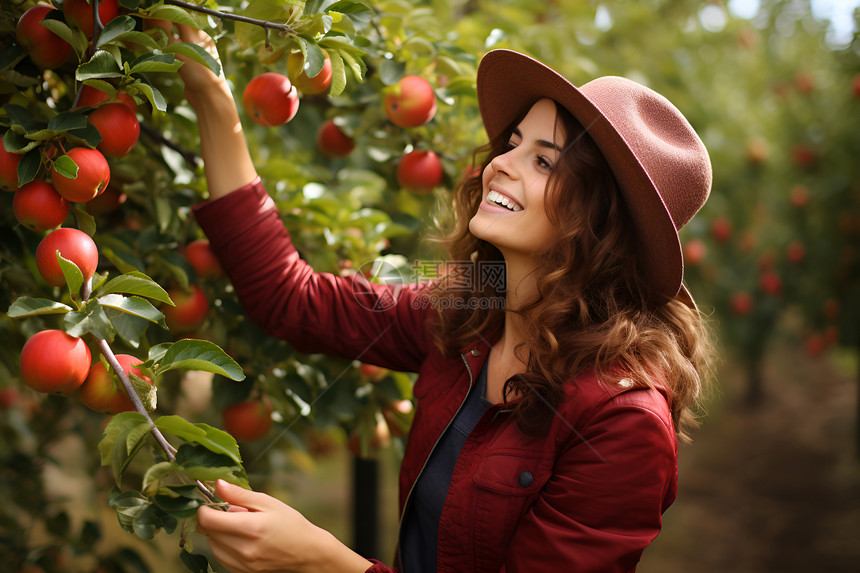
540, 142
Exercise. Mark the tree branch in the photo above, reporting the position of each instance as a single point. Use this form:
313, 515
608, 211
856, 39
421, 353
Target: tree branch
107, 352
265, 24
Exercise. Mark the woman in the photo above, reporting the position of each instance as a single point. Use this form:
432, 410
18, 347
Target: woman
544, 437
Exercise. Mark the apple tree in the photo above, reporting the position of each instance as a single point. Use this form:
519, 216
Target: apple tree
376, 121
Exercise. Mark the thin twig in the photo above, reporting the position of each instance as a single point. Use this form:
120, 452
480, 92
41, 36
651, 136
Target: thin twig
169, 450
285, 28
190, 157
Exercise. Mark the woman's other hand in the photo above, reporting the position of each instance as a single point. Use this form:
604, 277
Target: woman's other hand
260, 533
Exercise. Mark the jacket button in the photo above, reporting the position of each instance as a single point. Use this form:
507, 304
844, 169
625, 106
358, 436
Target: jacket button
526, 479
476, 352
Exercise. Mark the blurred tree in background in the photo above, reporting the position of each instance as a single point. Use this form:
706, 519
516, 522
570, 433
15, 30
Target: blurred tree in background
773, 256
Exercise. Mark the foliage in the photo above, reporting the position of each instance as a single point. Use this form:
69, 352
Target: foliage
771, 100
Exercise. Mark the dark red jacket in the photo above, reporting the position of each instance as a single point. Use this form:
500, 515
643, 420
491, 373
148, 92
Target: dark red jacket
587, 497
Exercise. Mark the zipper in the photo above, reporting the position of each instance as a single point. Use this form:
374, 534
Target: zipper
448, 425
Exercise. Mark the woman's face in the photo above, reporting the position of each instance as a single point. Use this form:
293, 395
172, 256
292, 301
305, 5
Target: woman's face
511, 214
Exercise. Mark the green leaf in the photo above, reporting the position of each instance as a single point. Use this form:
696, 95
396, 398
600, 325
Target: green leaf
338, 74
67, 121
391, 71
213, 439
88, 135
179, 506
154, 96
139, 38
114, 447
148, 393
173, 14
190, 354
15, 142
158, 351
196, 53
155, 63
136, 283
65, 166
101, 65
86, 222
115, 29
29, 166
74, 276
92, 319
134, 306
314, 58
129, 328
194, 562
156, 472
22, 117
200, 463
355, 65
27, 306
74, 38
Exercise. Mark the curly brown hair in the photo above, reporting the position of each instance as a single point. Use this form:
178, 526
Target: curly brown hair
593, 313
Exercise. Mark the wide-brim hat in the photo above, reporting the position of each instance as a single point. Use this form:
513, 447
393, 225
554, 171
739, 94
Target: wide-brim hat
661, 166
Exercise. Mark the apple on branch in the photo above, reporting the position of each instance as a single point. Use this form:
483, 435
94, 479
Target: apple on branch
92, 177
312, 85
419, 171
46, 49
270, 99
74, 245
55, 362
39, 207
102, 391
411, 102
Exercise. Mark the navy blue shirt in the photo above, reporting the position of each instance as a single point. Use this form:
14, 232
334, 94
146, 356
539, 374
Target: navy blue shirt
421, 522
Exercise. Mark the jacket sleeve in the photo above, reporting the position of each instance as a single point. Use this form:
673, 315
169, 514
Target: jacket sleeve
346, 317
603, 503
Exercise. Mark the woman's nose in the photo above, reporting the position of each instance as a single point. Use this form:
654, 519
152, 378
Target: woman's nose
504, 163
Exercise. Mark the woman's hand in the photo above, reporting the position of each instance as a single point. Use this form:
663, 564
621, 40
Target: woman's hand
197, 77
260, 533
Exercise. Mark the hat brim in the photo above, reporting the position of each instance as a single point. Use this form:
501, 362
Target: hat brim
508, 83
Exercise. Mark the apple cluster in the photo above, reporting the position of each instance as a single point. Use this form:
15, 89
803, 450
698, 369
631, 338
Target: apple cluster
53, 361
77, 174
272, 99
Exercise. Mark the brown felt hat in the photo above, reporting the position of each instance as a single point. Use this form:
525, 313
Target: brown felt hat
660, 164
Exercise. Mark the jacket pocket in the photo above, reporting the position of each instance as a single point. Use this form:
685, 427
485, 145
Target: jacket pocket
507, 484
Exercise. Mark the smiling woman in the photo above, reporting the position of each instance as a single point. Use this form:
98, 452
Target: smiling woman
544, 437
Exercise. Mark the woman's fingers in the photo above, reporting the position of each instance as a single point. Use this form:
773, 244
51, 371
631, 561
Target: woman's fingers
245, 498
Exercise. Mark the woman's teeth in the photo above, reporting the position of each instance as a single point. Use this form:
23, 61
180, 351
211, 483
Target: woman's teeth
499, 199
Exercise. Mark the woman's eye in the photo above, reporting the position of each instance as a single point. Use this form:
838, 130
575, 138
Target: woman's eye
544, 163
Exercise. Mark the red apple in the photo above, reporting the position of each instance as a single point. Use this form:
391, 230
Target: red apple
270, 99
39, 207
411, 102
799, 196
55, 362
419, 171
741, 303
398, 415
803, 156
109, 200
308, 85
190, 310
721, 229
855, 86
92, 97
103, 392
814, 344
694, 251
796, 253
372, 371
73, 245
9, 169
203, 260
333, 142
47, 50
80, 14
770, 283
93, 175
378, 440
249, 420
118, 126
804, 81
